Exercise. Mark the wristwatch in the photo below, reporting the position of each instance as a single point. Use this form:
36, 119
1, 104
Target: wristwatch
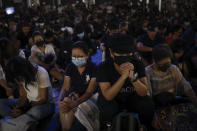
134, 80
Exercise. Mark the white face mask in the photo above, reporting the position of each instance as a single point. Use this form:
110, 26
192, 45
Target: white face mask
81, 35
79, 61
70, 30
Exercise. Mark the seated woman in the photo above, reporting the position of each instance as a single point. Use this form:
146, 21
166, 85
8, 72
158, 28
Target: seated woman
35, 100
79, 84
165, 82
166, 77
44, 55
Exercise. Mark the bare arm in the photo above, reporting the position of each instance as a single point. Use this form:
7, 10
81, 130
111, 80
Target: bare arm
43, 92
191, 94
3, 84
37, 61
141, 86
22, 97
182, 82
87, 94
108, 91
65, 88
141, 47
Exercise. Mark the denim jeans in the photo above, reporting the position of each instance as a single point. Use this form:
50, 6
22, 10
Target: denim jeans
24, 121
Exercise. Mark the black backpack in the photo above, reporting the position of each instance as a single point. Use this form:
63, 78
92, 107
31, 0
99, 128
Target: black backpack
126, 121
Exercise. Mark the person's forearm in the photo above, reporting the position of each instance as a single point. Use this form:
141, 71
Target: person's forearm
62, 94
140, 88
81, 99
37, 61
188, 89
145, 49
36, 103
22, 101
191, 94
115, 89
3, 84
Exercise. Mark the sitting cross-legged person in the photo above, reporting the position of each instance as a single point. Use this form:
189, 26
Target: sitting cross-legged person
35, 100
44, 55
79, 85
168, 88
123, 84
166, 77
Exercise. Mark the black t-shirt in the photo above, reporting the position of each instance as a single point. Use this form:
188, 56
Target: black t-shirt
24, 39
108, 73
80, 82
150, 43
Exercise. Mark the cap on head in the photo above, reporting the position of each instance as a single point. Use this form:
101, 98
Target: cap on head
121, 43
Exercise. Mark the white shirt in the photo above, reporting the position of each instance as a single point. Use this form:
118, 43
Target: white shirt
48, 50
42, 81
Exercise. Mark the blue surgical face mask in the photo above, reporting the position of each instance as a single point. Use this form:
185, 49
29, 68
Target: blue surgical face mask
79, 61
81, 35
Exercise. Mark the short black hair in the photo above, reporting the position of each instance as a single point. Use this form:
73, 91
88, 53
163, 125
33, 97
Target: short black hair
36, 33
178, 45
161, 51
176, 28
81, 45
121, 43
48, 34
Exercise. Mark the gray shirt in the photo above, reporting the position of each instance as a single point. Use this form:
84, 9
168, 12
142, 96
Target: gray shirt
171, 81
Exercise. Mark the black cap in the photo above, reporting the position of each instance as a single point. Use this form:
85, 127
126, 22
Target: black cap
121, 43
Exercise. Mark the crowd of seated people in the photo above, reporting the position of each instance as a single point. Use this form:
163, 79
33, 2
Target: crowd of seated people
144, 53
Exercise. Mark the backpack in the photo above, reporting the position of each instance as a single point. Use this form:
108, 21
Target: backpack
126, 121
181, 117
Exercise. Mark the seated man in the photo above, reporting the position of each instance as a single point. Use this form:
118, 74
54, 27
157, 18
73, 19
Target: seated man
123, 84
147, 41
166, 77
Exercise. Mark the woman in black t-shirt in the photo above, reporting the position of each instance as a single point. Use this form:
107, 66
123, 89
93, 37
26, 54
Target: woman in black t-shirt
79, 84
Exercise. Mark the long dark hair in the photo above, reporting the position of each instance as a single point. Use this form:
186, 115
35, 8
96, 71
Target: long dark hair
19, 69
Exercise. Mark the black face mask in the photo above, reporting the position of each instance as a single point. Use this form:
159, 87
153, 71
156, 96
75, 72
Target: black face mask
123, 59
40, 43
164, 68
